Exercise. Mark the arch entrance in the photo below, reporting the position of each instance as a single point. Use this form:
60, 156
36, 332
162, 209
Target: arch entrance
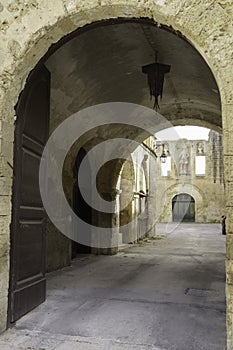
183, 208
71, 71
198, 115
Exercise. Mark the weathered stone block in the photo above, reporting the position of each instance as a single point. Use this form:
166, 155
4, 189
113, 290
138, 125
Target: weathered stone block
229, 344
6, 149
228, 164
3, 313
5, 168
229, 296
5, 186
229, 221
229, 274
229, 247
200, 21
227, 112
4, 247
4, 281
4, 276
227, 94
229, 193
6, 130
5, 205
5, 224
229, 330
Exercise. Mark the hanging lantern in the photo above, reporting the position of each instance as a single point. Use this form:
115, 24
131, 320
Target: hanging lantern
155, 73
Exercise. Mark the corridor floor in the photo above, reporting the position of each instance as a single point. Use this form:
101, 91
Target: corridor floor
162, 294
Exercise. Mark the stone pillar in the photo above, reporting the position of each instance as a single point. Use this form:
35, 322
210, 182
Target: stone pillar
227, 111
129, 233
6, 174
109, 221
151, 199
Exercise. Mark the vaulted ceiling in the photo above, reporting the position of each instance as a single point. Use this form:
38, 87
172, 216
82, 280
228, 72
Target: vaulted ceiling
104, 64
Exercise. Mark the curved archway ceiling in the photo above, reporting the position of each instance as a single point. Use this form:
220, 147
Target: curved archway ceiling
104, 64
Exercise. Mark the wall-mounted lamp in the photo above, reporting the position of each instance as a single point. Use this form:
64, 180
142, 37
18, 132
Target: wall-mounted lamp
153, 148
164, 154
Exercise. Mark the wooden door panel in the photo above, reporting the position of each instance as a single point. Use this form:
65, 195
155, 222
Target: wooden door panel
30, 191
27, 277
26, 299
38, 122
30, 235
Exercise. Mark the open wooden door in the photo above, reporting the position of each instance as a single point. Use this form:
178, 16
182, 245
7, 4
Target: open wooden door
27, 274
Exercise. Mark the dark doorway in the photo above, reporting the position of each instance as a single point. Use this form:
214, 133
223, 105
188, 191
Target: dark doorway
80, 206
183, 208
27, 270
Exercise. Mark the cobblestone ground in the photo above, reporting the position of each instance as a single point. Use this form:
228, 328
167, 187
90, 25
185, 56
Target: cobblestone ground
161, 294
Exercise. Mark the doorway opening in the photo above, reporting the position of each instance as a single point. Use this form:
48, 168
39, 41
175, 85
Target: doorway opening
75, 84
183, 208
80, 206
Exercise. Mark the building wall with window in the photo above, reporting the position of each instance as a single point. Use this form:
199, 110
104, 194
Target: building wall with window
136, 193
188, 187
193, 168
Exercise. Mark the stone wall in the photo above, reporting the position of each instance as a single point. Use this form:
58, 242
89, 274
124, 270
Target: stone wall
58, 249
207, 189
29, 29
135, 194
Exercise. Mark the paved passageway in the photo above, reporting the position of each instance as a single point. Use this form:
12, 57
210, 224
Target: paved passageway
162, 294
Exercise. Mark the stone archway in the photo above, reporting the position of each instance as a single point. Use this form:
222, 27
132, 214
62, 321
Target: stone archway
175, 190
29, 30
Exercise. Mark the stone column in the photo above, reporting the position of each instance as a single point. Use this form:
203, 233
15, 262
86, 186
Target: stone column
110, 221
227, 111
151, 199
6, 174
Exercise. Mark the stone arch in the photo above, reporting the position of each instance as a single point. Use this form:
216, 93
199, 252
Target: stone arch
28, 37
23, 53
176, 189
196, 122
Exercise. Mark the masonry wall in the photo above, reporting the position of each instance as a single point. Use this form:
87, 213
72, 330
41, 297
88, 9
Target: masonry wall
136, 200
28, 30
207, 189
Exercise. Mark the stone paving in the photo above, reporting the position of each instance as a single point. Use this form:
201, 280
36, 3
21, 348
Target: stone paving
161, 294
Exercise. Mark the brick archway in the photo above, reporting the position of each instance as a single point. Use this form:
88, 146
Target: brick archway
29, 30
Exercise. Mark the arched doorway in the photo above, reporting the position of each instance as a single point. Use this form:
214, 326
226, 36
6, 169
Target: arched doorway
160, 11
107, 87
183, 208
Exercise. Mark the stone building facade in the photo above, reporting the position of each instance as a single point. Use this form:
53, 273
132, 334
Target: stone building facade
28, 31
195, 169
